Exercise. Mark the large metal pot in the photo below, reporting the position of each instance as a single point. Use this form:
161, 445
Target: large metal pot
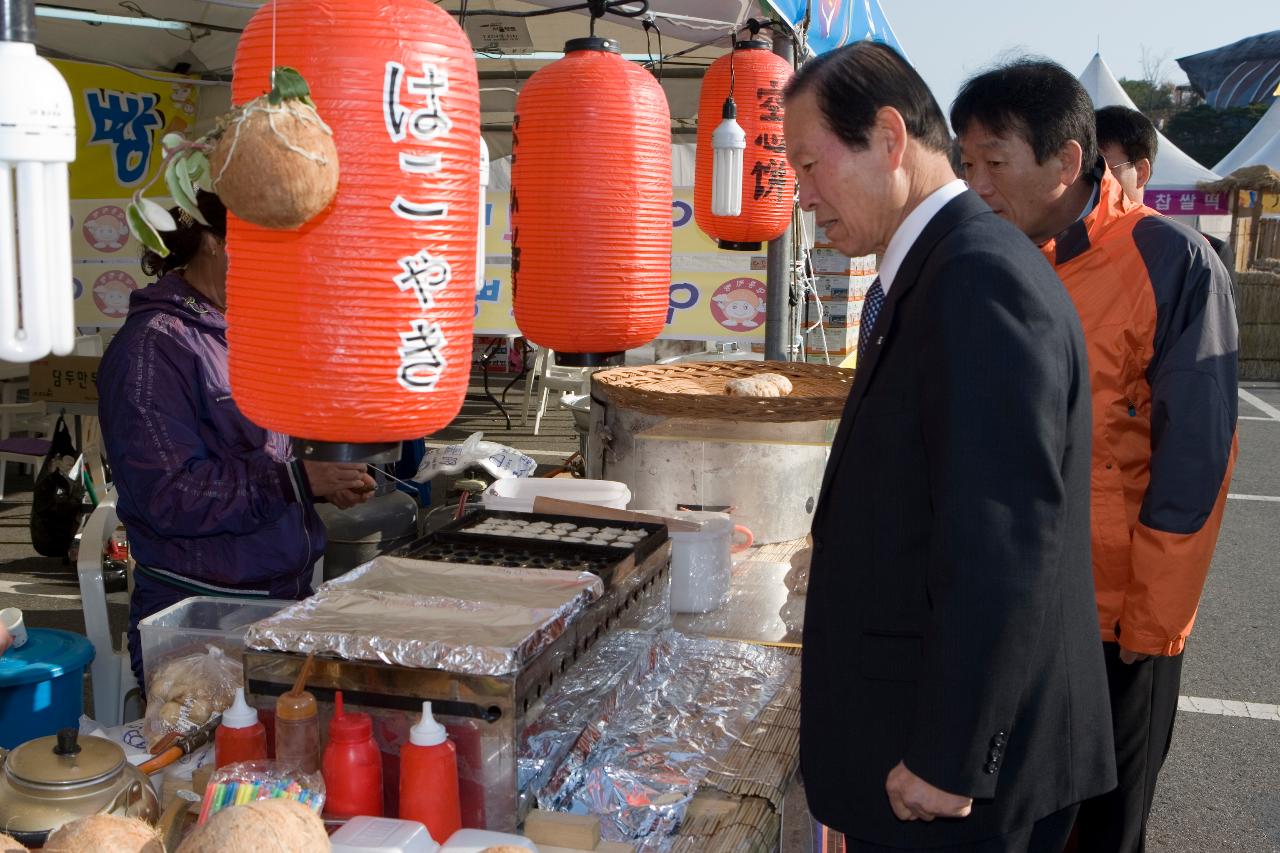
769, 473
53, 780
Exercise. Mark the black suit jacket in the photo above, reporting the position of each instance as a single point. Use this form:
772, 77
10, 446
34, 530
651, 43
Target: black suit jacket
950, 620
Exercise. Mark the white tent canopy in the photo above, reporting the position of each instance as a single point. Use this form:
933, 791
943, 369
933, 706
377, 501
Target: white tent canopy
1260, 147
1174, 169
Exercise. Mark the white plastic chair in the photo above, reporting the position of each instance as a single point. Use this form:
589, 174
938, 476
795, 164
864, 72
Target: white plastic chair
552, 377
115, 690
33, 419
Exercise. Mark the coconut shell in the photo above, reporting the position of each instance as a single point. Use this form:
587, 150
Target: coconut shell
10, 845
275, 166
263, 826
105, 833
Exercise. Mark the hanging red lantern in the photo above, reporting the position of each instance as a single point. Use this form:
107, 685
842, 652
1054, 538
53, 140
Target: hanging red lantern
355, 329
756, 77
591, 205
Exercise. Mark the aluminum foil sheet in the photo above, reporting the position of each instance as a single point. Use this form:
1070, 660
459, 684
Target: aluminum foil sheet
471, 620
544, 588
593, 687
638, 765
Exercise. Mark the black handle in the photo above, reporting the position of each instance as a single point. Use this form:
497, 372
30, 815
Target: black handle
67, 744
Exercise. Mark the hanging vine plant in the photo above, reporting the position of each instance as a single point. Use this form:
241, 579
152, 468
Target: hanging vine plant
272, 161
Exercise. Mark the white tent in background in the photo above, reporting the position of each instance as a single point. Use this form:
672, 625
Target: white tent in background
1174, 170
1260, 146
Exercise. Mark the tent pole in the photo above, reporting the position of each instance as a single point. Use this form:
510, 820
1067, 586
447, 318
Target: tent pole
777, 317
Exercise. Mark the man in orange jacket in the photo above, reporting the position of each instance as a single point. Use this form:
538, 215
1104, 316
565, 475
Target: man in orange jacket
1160, 329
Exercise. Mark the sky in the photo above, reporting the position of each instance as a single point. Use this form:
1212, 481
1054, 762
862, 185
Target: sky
949, 41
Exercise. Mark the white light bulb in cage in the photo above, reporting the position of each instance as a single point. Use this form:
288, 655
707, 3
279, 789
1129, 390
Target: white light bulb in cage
728, 142
37, 141
484, 186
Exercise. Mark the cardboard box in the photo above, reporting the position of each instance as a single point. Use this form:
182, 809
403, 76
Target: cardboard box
65, 379
838, 341
830, 262
847, 287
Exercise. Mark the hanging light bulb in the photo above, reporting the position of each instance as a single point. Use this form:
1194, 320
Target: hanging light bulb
729, 142
37, 141
484, 188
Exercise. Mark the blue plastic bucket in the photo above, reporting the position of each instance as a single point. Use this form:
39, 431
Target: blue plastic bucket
42, 685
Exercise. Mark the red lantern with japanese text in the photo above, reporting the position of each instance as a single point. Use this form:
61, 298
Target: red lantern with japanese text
591, 205
355, 329
756, 76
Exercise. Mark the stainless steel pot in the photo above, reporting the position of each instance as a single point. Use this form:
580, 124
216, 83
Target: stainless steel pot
769, 473
53, 780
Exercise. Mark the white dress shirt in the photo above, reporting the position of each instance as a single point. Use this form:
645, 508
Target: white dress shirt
911, 229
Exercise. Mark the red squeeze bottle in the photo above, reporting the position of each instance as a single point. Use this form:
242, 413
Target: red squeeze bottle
240, 736
429, 778
352, 766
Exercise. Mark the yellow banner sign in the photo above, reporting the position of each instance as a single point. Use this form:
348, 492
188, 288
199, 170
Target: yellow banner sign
120, 120
714, 294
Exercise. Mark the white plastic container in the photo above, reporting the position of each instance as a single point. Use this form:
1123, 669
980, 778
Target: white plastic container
702, 561
475, 840
518, 494
383, 835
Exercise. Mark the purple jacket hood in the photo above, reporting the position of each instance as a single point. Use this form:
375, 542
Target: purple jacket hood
205, 494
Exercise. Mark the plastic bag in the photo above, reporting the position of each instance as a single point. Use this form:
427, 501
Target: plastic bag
185, 692
58, 497
500, 461
246, 781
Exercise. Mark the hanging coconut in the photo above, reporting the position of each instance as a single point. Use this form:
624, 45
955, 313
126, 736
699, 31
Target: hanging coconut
275, 163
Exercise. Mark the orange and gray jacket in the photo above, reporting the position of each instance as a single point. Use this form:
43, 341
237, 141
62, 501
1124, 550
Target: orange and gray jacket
1160, 327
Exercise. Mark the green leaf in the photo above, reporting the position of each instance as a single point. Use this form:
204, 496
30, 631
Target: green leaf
184, 194
289, 85
155, 215
144, 233
172, 141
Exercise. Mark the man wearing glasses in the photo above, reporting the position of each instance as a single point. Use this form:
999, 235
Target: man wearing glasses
1127, 141
1160, 331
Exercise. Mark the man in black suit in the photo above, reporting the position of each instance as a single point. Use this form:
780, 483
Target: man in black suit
954, 697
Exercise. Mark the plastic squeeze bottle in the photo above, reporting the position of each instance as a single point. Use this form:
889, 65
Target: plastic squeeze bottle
240, 736
352, 766
298, 730
429, 778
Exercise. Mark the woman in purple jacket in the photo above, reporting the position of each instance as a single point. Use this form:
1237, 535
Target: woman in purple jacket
213, 503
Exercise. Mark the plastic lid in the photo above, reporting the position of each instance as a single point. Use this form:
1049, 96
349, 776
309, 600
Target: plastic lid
66, 758
383, 835
47, 654
296, 706
349, 728
240, 715
427, 732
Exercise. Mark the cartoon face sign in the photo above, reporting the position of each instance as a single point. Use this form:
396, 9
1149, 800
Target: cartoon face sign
739, 304
111, 293
105, 229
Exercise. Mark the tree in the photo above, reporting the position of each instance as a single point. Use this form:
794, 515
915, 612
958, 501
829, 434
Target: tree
1208, 135
1147, 97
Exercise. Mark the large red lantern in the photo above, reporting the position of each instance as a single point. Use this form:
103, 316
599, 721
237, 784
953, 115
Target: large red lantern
757, 76
355, 329
591, 205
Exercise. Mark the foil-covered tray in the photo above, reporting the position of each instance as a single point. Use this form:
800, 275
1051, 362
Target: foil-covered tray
474, 620
638, 764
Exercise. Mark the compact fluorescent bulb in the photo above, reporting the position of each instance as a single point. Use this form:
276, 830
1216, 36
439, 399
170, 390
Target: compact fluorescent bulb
37, 141
728, 143
484, 186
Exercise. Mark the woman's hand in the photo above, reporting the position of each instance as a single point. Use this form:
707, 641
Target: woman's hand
328, 479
